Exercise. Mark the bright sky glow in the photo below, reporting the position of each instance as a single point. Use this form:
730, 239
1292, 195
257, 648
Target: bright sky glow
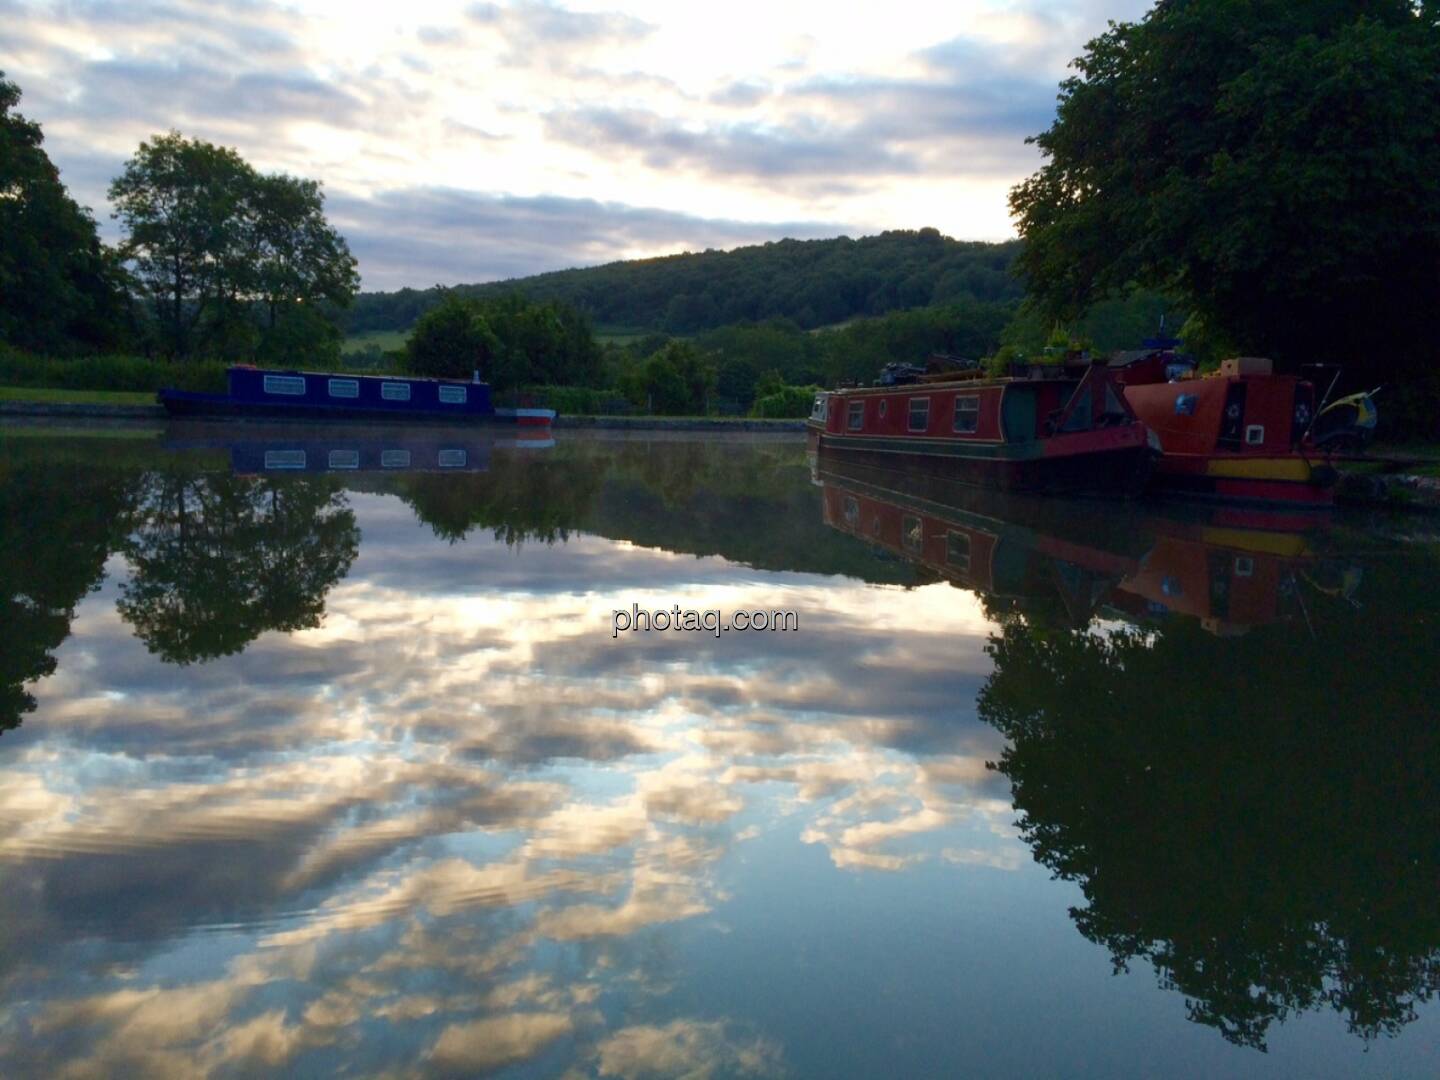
467, 142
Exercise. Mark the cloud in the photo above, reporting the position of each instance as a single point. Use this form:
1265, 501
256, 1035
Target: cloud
485, 1045
804, 146
423, 235
690, 1048
536, 30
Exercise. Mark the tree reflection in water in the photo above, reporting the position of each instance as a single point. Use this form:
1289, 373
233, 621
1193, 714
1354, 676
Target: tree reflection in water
58, 524
217, 560
1254, 816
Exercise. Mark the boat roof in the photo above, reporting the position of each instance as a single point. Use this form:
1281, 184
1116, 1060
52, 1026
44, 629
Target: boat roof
960, 384
354, 375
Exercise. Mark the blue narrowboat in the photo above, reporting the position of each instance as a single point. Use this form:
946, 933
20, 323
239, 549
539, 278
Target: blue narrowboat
332, 396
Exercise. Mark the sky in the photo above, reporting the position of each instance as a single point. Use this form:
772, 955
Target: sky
480, 141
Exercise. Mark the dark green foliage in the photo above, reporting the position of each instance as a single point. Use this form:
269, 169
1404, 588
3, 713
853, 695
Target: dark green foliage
1254, 816
109, 373
60, 289
777, 345
676, 381
219, 559
1117, 322
299, 335
788, 402
543, 341
967, 329
572, 400
222, 250
813, 282
58, 524
511, 341
1277, 165
452, 341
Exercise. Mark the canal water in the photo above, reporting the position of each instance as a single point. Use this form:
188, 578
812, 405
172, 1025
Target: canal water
323, 753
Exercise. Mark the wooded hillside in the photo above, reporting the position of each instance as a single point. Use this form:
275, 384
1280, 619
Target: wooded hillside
812, 282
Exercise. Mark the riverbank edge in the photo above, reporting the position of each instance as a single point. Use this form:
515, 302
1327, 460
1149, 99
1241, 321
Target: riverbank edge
74, 410
1393, 490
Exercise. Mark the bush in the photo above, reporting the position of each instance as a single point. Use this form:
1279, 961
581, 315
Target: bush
788, 403
135, 373
569, 400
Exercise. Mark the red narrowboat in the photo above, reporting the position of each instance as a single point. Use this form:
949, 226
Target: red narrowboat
1242, 433
1061, 432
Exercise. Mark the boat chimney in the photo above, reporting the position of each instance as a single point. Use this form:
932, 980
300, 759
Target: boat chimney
475, 375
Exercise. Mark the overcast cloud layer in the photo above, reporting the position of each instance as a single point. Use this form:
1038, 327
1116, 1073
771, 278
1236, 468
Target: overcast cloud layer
483, 141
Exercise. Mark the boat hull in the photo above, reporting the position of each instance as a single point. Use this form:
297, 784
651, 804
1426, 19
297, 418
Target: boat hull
1235, 438
1287, 480
1115, 468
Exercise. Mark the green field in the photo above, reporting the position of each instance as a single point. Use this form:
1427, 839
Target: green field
76, 397
385, 339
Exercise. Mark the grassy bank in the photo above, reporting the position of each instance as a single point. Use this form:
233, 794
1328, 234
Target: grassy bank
50, 396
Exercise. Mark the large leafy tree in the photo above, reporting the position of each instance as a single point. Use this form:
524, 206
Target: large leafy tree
59, 286
210, 238
1275, 164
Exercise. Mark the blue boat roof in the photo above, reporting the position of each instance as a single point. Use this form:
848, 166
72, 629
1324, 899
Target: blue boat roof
353, 375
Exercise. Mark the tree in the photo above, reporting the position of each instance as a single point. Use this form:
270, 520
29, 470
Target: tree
209, 237
452, 341
59, 286
677, 380
296, 256
1276, 165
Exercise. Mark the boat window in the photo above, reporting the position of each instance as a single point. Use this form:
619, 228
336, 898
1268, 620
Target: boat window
394, 459
453, 395
346, 388
1079, 418
1185, 404
967, 413
919, 413
817, 411
293, 385
957, 550
344, 459
884, 407
451, 459
284, 459
1113, 406
395, 391
912, 533
1255, 434
857, 415
851, 509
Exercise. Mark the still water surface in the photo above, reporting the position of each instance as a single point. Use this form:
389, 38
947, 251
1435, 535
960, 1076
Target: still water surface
338, 769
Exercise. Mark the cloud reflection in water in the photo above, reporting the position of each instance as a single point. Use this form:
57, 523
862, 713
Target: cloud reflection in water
452, 824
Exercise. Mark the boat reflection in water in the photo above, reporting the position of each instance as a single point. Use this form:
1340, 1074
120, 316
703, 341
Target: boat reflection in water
1220, 733
275, 448
1229, 569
